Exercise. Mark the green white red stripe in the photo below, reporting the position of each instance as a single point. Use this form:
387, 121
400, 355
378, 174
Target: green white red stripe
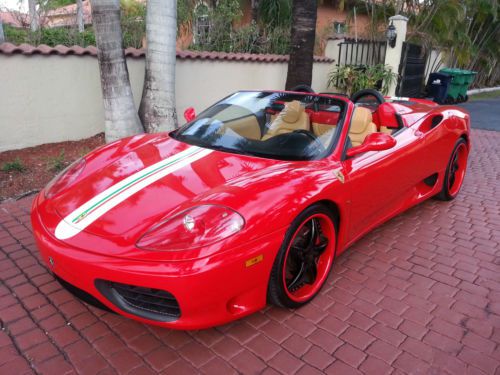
93, 209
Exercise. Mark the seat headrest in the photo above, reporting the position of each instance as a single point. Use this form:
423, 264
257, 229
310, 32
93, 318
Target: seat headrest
361, 118
292, 111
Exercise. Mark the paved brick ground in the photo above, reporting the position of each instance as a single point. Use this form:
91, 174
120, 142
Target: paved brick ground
420, 295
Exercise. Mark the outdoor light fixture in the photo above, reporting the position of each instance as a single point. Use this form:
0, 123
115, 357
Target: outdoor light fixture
391, 35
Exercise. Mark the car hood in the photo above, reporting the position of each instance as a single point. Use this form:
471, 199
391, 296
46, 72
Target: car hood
127, 188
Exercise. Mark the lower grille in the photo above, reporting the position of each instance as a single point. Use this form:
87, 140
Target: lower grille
81, 294
148, 303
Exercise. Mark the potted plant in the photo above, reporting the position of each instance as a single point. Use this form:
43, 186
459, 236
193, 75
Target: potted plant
352, 78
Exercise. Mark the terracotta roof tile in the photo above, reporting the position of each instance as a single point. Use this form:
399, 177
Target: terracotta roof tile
26, 49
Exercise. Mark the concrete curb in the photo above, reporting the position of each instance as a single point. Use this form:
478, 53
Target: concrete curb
486, 89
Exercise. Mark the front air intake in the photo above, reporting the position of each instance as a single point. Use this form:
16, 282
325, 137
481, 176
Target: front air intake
148, 303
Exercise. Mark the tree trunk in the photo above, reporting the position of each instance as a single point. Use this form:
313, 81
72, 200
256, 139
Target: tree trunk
399, 6
79, 16
120, 114
2, 36
255, 10
157, 110
34, 24
300, 65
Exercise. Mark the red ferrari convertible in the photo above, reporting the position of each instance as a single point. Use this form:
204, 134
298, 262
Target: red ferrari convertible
251, 201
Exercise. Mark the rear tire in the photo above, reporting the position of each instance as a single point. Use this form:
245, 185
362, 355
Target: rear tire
305, 258
455, 172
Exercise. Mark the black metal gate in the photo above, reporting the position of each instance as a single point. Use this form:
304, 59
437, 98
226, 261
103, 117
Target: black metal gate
411, 71
361, 52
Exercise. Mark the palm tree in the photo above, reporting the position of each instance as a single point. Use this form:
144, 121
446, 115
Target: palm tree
120, 114
79, 16
157, 110
34, 24
304, 13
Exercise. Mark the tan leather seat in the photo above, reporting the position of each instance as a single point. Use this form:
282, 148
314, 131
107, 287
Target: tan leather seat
361, 125
386, 130
247, 127
292, 117
320, 129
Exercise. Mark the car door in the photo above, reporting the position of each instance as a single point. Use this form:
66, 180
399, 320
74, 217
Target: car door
383, 182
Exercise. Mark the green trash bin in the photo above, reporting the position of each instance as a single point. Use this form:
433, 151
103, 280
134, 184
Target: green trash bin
469, 76
461, 80
457, 84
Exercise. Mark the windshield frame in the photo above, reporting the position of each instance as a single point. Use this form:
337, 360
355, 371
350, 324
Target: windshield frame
342, 102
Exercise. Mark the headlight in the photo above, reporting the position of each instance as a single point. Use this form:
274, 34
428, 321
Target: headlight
193, 228
65, 178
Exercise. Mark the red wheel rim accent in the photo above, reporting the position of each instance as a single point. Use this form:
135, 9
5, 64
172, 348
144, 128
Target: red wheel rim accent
456, 172
302, 291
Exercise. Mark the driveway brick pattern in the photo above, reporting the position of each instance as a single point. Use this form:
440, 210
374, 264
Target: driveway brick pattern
419, 295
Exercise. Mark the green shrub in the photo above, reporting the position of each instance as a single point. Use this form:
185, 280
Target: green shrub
352, 78
133, 32
58, 163
269, 37
14, 166
87, 38
221, 17
246, 39
184, 12
276, 41
51, 37
133, 23
53, 4
15, 35
55, 36
67, 37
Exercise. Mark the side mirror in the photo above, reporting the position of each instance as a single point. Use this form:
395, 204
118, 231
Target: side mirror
189, 114
373, 142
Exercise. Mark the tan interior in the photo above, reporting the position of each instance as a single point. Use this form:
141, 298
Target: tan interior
247, 127
361, 125
321, 129
386, 130
292, 117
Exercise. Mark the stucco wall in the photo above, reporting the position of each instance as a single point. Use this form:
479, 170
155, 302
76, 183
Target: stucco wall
436, 61
54, 98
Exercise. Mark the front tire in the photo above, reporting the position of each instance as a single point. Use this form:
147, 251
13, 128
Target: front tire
455, 172
305, 258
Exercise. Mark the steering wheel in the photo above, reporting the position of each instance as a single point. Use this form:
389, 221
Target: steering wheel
312, 136
357, 96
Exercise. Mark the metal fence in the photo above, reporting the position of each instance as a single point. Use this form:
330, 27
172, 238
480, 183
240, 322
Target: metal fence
361, 52
411, 71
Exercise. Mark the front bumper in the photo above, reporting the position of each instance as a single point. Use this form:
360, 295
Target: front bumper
210, 291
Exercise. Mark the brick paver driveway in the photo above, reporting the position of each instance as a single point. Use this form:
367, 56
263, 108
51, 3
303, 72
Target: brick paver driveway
421, 295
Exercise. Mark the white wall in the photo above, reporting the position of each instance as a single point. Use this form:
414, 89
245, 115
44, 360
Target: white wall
45, 99
436, 61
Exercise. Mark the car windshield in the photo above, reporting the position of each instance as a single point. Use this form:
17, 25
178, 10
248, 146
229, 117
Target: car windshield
276, 125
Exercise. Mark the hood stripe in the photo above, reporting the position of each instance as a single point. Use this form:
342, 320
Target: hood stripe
137, 177
93, 209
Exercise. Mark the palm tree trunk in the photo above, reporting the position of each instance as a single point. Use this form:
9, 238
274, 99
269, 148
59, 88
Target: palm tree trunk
34, 22
157, 110
79, 16
2, 36
120, 114
300, 65
399, 6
